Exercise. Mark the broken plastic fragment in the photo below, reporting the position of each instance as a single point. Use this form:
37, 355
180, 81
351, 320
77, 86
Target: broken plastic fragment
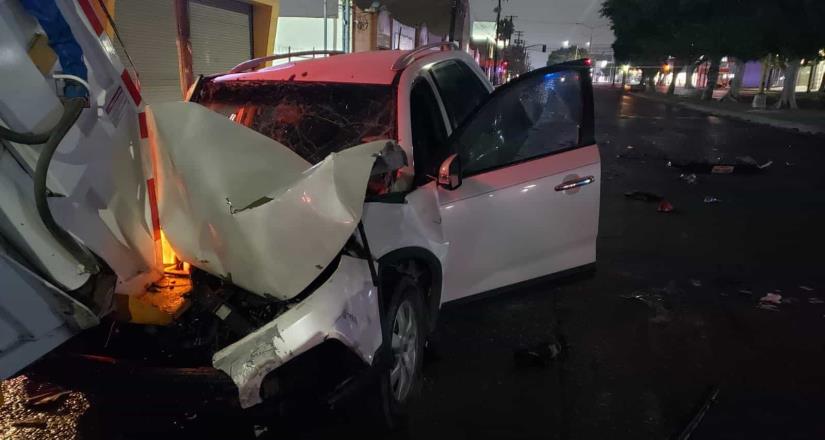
771, 298
722, 169
665, 207
689, 178
711, 199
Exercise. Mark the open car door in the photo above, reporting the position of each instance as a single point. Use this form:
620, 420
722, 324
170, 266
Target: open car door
523, 201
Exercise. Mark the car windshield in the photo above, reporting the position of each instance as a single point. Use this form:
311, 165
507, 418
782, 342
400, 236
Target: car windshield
311, 119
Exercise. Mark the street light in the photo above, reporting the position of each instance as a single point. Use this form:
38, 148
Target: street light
565, 44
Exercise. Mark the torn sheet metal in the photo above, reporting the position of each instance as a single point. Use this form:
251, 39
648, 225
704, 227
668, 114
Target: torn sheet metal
35, 316
240, 205
344, 308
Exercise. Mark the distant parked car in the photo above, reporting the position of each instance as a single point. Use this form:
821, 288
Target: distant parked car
635, 87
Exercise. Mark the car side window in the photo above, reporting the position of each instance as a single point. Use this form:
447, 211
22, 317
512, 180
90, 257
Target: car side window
460, 89
534, 117
429, 135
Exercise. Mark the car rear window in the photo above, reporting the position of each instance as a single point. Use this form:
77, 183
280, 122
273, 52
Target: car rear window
312, 119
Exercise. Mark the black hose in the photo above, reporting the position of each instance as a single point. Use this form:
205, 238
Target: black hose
24, 138
72, 109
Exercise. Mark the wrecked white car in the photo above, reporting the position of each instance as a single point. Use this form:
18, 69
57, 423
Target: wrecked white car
288, 231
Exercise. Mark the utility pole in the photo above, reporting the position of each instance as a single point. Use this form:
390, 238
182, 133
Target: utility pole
453, 14
345, 35
325, 24
494, 78
184, 46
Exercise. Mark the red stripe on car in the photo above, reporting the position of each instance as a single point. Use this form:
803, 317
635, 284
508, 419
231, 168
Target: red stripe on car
144, 129
131, 86
91, 15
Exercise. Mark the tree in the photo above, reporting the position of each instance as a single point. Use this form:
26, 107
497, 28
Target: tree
796, 26
566, 54
516, 57
650, 31
646, 33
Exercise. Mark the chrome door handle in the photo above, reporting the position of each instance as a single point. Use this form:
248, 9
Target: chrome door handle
571, 184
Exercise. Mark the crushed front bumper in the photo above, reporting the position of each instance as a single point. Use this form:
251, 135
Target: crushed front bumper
345, 309
306, 353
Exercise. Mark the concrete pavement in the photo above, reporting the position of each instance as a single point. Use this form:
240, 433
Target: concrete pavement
805, 121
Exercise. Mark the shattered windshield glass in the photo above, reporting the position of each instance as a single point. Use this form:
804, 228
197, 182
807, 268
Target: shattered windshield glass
312, 119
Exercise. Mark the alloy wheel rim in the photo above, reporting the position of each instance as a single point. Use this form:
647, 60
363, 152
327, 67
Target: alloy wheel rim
404, 350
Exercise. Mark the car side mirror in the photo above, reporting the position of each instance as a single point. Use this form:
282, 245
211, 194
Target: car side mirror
449, 174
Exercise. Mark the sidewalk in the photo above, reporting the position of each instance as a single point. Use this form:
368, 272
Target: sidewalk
803, 121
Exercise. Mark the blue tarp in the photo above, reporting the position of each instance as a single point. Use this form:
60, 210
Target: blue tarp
62, 41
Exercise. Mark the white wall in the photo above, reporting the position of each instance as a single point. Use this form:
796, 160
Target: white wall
305, 33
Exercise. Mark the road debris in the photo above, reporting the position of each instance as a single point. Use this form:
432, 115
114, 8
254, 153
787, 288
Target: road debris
748, 160
711, 199
689, 178
815, 300
713, 394
696, 283
723, 169
743, 165
655, 301
664, 206
771, 298
30, 423
806, 288
540, 355
50, 396
745, 292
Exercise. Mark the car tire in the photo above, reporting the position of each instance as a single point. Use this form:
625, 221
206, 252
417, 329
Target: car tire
400, 377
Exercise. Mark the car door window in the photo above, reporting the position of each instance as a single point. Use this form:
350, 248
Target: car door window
537, 115
429, 134
460, 89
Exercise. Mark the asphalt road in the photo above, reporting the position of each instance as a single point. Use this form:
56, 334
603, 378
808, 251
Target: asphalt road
672, 311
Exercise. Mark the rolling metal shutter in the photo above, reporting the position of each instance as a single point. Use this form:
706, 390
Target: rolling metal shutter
219, 32
149, 34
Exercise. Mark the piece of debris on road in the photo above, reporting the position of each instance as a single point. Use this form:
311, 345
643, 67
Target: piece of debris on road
743, 165
711, 199
665, 207
30, 423
540, 355
689, 178
55, 419
771, 298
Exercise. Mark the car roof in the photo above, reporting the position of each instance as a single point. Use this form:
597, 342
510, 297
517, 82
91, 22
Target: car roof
374, 67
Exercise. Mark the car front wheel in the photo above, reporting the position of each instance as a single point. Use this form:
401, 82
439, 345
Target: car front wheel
404, 332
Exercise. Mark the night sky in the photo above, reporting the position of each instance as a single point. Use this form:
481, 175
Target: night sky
550, 21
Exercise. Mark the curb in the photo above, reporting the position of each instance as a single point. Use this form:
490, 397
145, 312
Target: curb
753, 119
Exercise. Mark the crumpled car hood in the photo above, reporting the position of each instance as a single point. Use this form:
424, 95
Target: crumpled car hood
242, 206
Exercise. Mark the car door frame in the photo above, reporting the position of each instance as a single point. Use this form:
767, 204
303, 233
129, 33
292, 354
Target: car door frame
587, 129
